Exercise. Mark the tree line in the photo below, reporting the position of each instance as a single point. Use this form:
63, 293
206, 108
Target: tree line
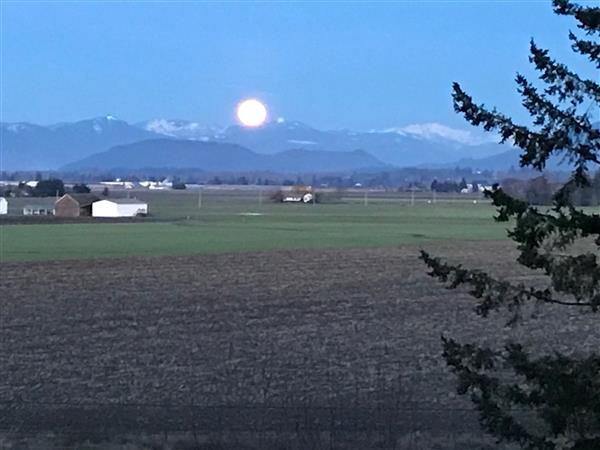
52, 187
541, 190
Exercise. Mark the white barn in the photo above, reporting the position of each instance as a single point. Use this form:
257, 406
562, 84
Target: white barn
3, 206
119, 207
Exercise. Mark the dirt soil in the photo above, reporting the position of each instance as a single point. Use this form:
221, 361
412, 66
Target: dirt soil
289, 329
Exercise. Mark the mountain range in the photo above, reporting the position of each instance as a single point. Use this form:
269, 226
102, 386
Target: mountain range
287, 146
214, 156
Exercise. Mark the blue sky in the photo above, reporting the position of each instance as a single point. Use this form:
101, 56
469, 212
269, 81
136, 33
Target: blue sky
357, 65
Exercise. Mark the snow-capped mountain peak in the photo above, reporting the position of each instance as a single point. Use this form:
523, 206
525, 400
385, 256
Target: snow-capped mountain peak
15, 127
438, 131
183, 129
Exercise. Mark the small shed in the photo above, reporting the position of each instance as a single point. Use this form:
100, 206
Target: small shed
119, 207
74, 205
38, 210
3, 206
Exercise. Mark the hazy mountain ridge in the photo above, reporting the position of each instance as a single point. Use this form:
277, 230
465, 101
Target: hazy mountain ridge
29, 146
512, 157
415, 144
213, 156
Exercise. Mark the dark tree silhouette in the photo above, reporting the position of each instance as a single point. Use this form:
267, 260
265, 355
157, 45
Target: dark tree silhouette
548, 401
81, 189
49, 188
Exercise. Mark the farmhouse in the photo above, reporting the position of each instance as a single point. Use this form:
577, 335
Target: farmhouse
119, 207
3, 206
38, 210
74, 205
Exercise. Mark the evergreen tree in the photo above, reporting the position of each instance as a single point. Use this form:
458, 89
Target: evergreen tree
546, 401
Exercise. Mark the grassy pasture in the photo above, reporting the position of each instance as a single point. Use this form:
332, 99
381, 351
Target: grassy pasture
235, 220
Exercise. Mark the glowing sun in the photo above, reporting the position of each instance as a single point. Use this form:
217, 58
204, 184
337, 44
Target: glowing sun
251, 112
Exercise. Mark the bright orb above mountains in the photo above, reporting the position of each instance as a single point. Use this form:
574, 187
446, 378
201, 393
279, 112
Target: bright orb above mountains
251, 112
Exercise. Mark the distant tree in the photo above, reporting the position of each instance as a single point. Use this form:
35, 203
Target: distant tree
49, 188
434, 185
382, 179
538, 191
534, 398
445, 186
335, 196
81, 189
588, 195
463, 184
277, 196
105, 192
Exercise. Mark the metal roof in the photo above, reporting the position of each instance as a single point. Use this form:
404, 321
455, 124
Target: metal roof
82, 199
125, 201
47, 206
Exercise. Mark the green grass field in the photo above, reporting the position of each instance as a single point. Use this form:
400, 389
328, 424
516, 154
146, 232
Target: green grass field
225, 223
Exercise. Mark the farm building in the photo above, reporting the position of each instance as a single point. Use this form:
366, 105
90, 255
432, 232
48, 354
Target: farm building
298, 194
119, 207
74, 205
38, 210
3, 206
298, 198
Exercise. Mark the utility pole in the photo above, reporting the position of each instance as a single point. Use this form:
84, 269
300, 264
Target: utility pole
200, 199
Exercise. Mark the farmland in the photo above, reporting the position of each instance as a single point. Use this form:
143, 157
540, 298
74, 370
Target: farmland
247, 221
308, 326
135, 344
